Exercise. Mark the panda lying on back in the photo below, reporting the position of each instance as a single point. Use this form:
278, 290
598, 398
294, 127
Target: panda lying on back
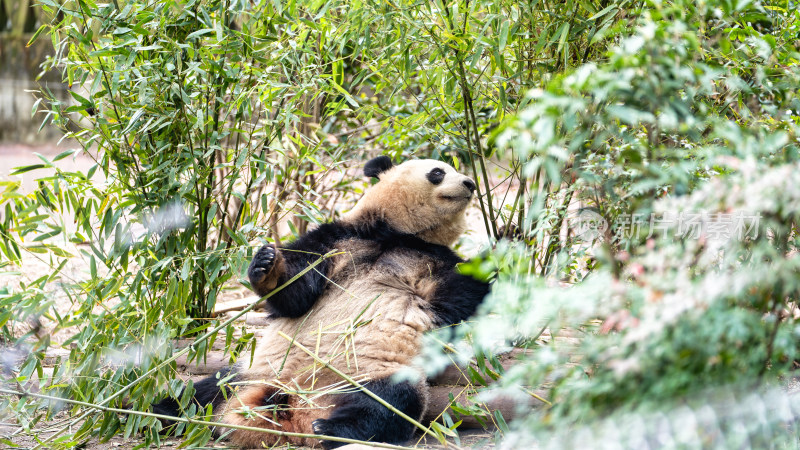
364, 311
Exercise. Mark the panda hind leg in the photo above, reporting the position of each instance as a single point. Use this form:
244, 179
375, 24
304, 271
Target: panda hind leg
358, 416
210, 391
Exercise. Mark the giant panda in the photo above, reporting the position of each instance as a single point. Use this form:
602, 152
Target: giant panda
363, 311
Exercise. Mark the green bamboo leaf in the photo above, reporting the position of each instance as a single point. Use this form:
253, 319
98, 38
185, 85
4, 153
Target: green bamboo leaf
36, 248
81, 99
185, 268
46, 161
23, 169
501, 422
47, 235
199, 33
441, 430
562, 40
35, 107
133, 120
64, 154
58, 251
603, 12
346, 94
338, 71
36, 34
108, 225
503, 35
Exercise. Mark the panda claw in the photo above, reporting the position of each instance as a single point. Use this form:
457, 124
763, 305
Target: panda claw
317, 426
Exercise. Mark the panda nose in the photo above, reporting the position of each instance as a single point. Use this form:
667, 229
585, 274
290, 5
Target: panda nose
470, 185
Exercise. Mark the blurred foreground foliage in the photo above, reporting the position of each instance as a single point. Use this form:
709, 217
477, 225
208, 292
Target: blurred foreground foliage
211, 121
683, 147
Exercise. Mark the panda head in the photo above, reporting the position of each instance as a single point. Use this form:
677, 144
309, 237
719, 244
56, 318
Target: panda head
424, 197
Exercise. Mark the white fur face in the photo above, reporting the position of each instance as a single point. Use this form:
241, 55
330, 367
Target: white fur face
434, 183
423, 197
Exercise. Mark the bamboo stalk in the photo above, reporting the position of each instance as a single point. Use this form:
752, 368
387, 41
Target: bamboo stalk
18, 21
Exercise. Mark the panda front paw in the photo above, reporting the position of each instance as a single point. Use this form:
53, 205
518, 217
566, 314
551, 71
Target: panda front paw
262, 271
262, 264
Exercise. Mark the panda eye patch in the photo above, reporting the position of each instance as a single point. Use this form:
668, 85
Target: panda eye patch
436, 176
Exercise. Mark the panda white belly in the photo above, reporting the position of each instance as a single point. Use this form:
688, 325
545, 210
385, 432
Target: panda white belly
373, 316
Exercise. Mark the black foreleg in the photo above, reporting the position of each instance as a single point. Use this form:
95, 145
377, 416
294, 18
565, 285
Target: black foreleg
273, 267
457, 297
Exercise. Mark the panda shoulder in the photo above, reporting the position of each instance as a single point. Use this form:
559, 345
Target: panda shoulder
378, 235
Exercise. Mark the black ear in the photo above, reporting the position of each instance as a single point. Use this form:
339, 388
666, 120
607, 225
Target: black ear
377, 166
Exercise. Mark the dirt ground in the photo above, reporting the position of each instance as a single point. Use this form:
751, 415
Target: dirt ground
18, 155
12, 156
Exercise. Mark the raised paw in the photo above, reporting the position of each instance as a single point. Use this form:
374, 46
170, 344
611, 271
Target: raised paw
265, 269
262, 264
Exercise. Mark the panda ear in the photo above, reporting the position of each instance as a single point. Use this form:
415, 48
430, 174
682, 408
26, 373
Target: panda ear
377, 166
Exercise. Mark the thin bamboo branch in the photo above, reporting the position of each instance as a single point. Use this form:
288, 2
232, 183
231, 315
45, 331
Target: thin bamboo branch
469, 116
481, 157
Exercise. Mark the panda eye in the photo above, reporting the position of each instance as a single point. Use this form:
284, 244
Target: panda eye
436, 176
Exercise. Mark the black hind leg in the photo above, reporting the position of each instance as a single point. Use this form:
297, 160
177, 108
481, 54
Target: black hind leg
206, 391
358, 416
